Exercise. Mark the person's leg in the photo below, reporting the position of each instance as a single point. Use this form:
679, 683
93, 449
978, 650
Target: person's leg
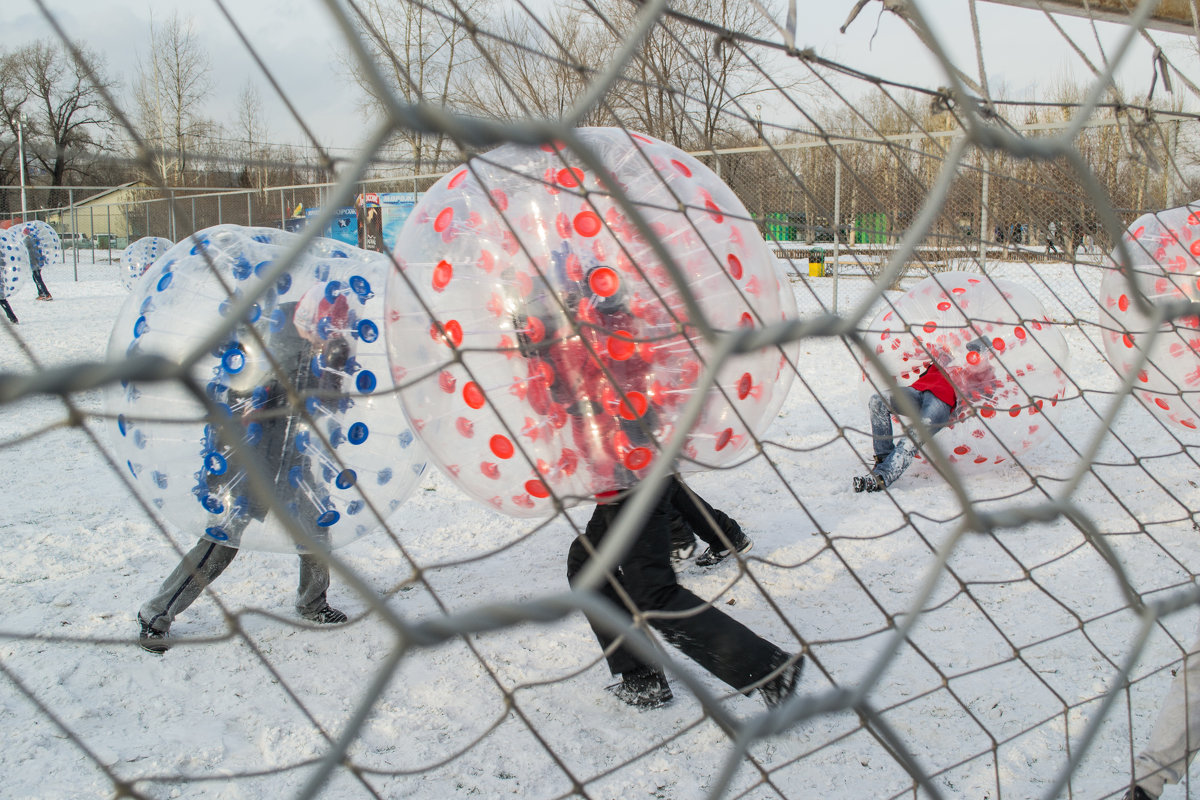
199, 567
716, 528
620, 660
935, 414
43, 292
1175, 738
718, 643
8, 312
881, 423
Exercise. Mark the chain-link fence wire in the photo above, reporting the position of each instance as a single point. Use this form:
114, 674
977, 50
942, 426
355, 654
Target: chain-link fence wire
973, 635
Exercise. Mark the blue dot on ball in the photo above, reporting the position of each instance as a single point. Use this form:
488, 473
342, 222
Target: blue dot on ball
254, 432
216, 533
358, 433
216, 464
368, 331
365, 382
328, 518
295, 476
345, 479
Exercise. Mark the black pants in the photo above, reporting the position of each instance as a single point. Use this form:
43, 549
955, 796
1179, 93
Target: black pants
722, 645
41, 286
684, 533
8, 310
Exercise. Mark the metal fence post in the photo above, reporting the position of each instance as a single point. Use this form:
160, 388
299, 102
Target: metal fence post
983, 214
837, 226
249, 211
74, 231
219, 220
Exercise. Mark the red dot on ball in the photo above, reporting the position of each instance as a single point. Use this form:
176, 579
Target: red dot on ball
443, 219
735, 266
570, 177
638, 458
679, 165
604, 281
501, 446
536, 488
634, 406
723, 438
621, 346
587, 223
745, 383
442, 274
473, 395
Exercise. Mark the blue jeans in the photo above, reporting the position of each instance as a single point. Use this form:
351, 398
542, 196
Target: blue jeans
894, 457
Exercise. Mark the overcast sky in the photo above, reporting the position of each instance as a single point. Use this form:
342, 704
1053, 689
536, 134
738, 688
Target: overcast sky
1023, 52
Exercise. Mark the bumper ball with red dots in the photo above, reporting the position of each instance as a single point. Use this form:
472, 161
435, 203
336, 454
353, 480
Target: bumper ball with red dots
542, 349
301, 384
138, 256
993, 340
14, 262
1164, 249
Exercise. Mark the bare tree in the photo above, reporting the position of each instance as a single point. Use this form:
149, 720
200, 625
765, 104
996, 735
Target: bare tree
251, 138
684, 86
536, 68
65, 120
170, 90
419, 49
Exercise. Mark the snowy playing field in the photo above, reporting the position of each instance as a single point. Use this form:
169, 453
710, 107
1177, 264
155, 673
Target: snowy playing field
1023, 633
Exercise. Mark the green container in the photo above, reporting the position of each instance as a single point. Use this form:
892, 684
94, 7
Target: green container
778, 229
102, 241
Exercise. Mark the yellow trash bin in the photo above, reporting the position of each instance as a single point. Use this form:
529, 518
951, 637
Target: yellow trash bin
816, 263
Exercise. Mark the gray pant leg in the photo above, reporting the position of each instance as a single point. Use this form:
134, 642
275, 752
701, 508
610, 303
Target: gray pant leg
198, 568
314, 581
1176, 735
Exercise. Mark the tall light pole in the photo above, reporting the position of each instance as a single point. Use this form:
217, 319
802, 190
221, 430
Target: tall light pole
21, 158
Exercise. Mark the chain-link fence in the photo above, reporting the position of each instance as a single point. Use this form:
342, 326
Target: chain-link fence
1004, 627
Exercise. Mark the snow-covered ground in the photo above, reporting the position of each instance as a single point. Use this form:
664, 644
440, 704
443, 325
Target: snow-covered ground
1002, 672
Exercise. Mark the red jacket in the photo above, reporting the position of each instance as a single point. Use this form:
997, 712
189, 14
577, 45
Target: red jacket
933, 379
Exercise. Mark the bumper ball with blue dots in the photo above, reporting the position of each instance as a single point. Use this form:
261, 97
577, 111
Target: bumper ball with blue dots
47, 246
138, 256
299, 387
14, 262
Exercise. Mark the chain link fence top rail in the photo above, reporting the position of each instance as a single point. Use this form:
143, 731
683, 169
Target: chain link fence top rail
991, 633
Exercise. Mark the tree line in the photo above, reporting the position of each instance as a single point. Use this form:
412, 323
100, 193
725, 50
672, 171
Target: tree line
701, 80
